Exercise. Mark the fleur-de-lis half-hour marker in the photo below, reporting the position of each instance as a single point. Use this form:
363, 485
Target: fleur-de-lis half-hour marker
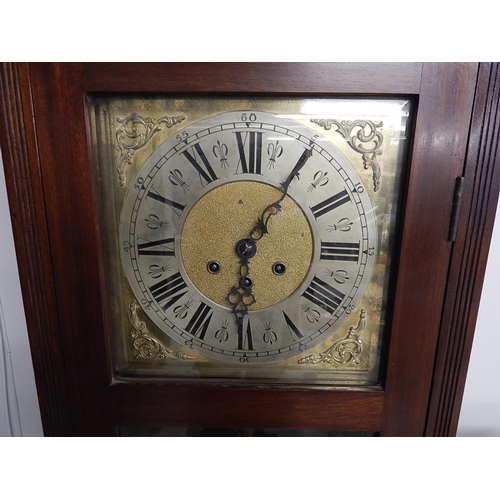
222, 334
274, 151
154, 222
220, 152
182, 311
156, 271
312, 315
176, 179
343, 225
269, 336
319, 179
340, 276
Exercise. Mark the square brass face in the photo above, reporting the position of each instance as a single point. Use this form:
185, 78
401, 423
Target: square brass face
247, 239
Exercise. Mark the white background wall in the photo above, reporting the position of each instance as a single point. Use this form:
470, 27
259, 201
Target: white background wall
480, 415
19, 411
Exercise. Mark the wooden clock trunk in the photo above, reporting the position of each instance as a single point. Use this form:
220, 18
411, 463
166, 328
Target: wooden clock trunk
450, 199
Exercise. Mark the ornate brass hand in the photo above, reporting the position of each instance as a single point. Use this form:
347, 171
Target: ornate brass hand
241, 297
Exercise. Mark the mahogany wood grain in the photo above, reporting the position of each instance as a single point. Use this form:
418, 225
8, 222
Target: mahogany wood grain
245, 407
58, 108
50, 183
470, 251
438, 153
27, 207
267, 78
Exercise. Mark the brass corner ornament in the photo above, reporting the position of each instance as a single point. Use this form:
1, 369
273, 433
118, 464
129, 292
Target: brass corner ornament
145, 345
134, 133
345, 351
364, 137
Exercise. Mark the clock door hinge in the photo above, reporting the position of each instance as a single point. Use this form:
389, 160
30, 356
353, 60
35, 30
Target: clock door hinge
457, 198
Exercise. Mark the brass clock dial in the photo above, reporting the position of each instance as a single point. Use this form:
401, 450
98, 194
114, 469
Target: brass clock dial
205, 191
232, 210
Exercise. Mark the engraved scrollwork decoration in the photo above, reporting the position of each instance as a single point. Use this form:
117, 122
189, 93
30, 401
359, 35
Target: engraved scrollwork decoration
364, 137
134, 133
345, 351
145, 345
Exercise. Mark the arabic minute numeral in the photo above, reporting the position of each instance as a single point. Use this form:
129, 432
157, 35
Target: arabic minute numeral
248, 118
146, 304
244, 359
359, 188
139, 183
349, 309
182, 136
370, 251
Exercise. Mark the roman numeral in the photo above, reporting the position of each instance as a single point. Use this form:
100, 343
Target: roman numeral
323, 295
330, 204
164, 248
170, 289
331, 250
198, 324
295, 331
206, 171
176, 207
253, 163
245, 342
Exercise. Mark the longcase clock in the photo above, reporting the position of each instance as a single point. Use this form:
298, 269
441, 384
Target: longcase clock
256, 249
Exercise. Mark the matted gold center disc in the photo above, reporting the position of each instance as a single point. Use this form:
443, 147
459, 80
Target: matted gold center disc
226, 215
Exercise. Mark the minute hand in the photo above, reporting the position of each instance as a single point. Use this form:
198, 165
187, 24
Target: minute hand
275, 207
295, 171
241, 297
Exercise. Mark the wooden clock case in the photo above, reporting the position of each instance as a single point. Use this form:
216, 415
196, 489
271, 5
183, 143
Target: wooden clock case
442, 248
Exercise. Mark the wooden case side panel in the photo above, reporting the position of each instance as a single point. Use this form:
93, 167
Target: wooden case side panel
27, 206
437, 158
58, 107
470, 252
